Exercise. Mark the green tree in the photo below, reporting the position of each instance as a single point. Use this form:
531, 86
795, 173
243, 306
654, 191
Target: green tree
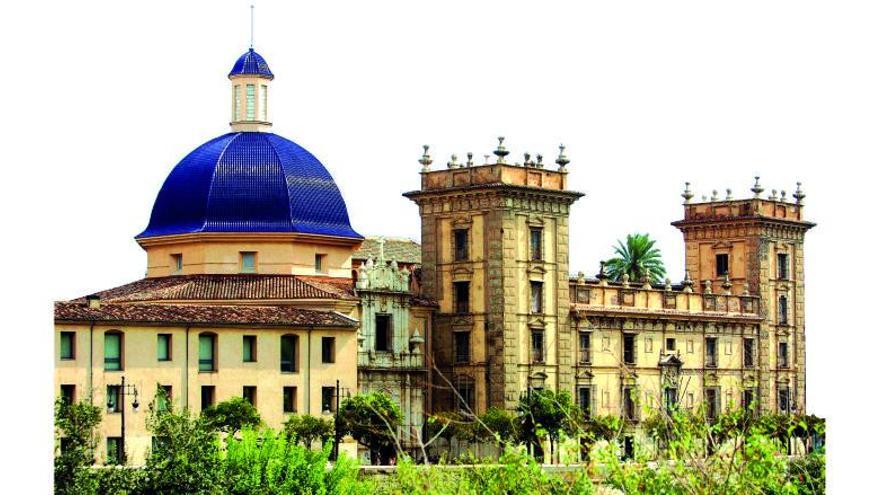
547, 413
372, 419
305, 429
504, 426
232, 415
75, 425
636, 258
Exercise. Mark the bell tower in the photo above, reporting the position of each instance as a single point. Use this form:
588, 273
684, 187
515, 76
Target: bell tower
756, 246
495, 257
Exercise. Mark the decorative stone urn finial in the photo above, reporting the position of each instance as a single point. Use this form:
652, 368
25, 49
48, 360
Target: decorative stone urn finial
729, 195
714, 195
667, 284
527, 159
687, 283
580, 278
707, 286
486, 159
687, 194
625, 279
757, 188
540, 163
726, 285
773, 196
470, 160
602, 275
501, 151
646, 279
799, 194
453, 163
426, 159
782, 194
746, 288
562, 160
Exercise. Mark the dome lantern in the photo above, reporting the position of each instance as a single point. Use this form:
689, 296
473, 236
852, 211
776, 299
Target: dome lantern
250, 78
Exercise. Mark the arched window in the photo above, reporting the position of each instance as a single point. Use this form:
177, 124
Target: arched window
113, 350
289, 346
783, 310
207, 351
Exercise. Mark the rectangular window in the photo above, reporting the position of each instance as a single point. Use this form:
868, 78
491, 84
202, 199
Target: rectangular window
114, 399
264, 103
67, 345
328, 349
289, 399
782, 266
383, 333
783, 310
207, 396
629, 348
249, 101
748, 398
466, 391
670, 344
163, 347
236, 103
112, 351
748, 353
535, 244
537, 296
249, 348
461, 244
711, 352
629, 404
585, 400
328, 394
783, 355
462, 295
670, 396
319, 263
784, 400
207, 348
584, 347
114, 450
288, 353
713, 403
721, 267
248, 262
462, 347
163, 400
68, 393
249, 393
537, 346
176, 264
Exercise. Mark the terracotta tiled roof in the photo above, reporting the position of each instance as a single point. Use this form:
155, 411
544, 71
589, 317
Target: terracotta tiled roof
229, 287
399, 249
205, 314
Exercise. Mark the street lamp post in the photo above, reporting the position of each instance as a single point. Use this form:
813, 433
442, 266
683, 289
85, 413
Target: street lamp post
124, 390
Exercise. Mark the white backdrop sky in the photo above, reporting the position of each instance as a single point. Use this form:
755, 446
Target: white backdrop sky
102, 99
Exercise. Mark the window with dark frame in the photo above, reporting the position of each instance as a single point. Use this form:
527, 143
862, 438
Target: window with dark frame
585, 400
584, 351
784, 400
670, 344
536, 243
67, 346
207, 396
68, 393
462, 347
670, 396
289, 399
462, 296
383, 333
328, 349
713, 403
113, 351
721, 265
783, 310
782, 355
748, 353
249, 348
319, 263
629, 403
114, 450
466, 391
163, 347
163, 401
711, 352
248, 262
114, 399
289, 344
629, 348
328, 394
748, 398
176, 263
537, 296
461, 244
249, 393
207, 352
782, 266
537, 346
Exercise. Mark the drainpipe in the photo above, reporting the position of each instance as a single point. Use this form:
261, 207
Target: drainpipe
184, 402
307, 374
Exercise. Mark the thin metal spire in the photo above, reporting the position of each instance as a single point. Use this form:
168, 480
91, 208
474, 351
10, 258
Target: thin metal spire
252, 26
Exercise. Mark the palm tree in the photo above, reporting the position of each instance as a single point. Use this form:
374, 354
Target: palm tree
636, 258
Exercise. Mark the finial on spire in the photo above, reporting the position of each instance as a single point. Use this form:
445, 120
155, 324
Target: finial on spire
470, 159
252, 27
799, 194
425, 160
729, 195
687, 194
453, 162
757, 188
562, 160
501, 151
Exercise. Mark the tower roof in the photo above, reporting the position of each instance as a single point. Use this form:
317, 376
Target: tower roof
251, 63
249, 182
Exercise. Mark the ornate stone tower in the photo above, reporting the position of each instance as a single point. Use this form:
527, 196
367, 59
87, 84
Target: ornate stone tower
495, 257
757, 245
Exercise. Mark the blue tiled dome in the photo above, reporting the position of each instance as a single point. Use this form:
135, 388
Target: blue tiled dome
249, 182
251, 63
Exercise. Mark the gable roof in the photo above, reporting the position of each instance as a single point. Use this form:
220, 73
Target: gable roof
399, 249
